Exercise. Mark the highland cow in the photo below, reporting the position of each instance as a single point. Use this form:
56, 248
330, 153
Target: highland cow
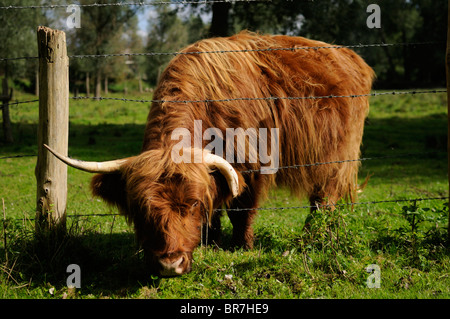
228, 83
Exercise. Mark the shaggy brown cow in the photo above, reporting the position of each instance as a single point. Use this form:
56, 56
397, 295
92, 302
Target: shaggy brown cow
169, 202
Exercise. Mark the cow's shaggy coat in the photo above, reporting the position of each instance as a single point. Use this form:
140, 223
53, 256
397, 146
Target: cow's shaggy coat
168, 203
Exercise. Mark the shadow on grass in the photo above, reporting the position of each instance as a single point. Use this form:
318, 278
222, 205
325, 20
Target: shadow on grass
110, 264
90, 142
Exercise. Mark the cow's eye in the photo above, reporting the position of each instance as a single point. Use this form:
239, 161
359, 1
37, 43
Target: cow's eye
194, 206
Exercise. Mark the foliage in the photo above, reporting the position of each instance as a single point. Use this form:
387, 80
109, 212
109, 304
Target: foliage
169, 33
103, 31
114, 29
344, 22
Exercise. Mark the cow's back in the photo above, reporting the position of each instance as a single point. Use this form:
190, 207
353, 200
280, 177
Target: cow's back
231, 81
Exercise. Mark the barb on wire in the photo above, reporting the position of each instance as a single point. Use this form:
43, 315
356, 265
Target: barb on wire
270, 98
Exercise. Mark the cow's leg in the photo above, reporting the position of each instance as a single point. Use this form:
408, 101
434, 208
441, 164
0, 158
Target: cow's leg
242, 220
242, 228
320, 199
212, 235
323, 198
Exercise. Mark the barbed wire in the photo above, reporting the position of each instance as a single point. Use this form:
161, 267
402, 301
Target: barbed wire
283, 207
351, 46
264, 169
20, 58
17, 103
270, 98
301, 165
373, 94
140, 3
17, 156
237, 99
337, 204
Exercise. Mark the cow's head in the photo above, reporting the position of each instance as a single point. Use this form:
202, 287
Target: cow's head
167, 202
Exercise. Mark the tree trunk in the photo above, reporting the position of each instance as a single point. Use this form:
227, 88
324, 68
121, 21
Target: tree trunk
219, 24
6, 97
106, 85
37, 82
98, 84
88, 90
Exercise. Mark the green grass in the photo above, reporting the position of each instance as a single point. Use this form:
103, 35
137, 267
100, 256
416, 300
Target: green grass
406, 240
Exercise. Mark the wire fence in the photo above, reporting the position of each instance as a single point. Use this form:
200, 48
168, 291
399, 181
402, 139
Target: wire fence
138, 4
270, 98
175, 53
17, 103
393, 201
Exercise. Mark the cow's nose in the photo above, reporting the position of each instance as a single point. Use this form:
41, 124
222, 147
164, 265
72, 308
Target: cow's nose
171, 266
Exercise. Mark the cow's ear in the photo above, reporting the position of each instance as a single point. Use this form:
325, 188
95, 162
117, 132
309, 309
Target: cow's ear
111, 188
221, 189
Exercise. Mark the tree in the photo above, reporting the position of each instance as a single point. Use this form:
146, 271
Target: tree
402, 21
18, 38
102, 28
169, 34
134, 43
219, 23
275, 16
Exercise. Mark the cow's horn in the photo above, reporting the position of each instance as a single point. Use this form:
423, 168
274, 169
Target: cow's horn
91, 167
225, 168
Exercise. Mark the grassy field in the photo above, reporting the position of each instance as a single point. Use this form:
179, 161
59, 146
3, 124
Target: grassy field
406, 240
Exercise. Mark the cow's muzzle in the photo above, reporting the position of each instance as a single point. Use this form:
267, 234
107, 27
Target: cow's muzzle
174, 264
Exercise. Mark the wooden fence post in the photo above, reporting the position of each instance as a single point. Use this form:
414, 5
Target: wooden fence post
51, 174
447, 69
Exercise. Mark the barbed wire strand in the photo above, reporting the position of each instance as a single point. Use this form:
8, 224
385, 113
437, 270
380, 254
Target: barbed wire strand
17, 103
337, 204
341, 161
270, 98
237, 99
17, 156
301, 165
286, 207
140, 3
352, 46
